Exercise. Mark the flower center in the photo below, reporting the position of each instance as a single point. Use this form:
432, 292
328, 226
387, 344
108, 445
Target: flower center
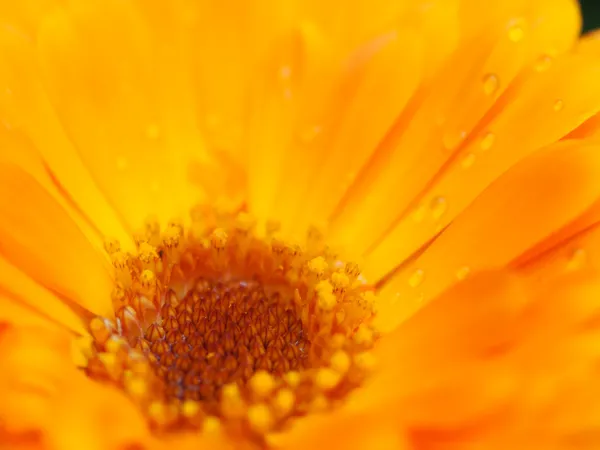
219, 323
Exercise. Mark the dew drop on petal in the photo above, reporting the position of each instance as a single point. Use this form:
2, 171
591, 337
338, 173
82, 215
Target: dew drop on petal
558, 105
438, 207
543, 63
577, 259
418, 213
463, 273
310, 134
487, 141
468, 160
490, 83
285, 72
516, 31
416, 279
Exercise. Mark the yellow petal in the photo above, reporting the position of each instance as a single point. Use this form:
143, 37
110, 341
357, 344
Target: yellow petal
46, 151
109, 108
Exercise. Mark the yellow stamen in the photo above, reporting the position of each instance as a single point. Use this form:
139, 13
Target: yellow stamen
216, 326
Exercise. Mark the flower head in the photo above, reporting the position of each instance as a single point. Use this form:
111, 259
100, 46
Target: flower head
284, 224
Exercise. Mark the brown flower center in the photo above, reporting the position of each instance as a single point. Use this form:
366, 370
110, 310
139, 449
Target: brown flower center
221, 324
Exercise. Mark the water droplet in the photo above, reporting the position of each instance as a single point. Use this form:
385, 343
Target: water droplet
418, 213
468, 160
122, 163
309, 135
416, 278
285, 72
487, 141
490, 83
543, 63
438, 207
516, 31
577, 259
558, 105
463, 273
453, 139
152, 132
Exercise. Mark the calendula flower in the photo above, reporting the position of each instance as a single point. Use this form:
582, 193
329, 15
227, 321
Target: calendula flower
296, 224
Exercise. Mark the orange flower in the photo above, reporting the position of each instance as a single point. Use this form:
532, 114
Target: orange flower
297, 224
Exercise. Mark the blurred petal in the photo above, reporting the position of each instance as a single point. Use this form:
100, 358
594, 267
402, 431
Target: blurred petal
39, 238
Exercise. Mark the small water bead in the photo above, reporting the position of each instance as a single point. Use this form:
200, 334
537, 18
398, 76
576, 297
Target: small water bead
463, 273
491, 83
577, 259
285, 72
543, 63
487, 141
418, 213
468, 161
516, 31
558, 105
416, 278
310, 134
438, 207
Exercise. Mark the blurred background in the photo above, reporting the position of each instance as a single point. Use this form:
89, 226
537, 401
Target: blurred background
591, 14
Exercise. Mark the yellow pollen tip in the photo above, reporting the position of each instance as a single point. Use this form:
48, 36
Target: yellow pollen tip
211, 425
260, 418
340, 280
111, 245
363, 335
262, 383
218, 239
327, 378
284, 401
119, 260
147, 253
318, 266
340, 361
327, 301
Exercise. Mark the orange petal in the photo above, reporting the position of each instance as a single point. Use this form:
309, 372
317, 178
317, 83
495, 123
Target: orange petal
94, 416
39, 238
579, 252
24, 302
109, 108
34, 363
385, 68
426, 358
46, 151
531, 201
443, 132
344, 431
493, 149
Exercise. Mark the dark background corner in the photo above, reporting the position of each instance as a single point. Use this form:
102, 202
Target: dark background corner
591, 14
